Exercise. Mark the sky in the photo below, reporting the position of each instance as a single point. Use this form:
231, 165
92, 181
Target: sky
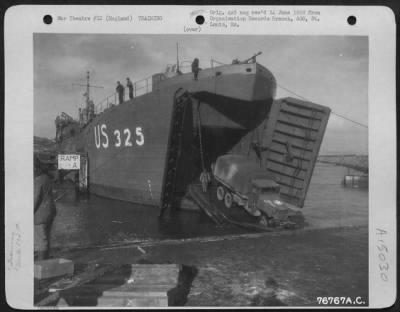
327, 70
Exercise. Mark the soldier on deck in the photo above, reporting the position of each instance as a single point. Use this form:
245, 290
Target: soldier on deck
120, 90
44, 211
130, 88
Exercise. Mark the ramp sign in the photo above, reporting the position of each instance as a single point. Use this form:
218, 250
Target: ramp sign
69, 162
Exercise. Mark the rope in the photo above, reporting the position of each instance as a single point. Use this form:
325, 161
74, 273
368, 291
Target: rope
200, 136
205, 177
333, 113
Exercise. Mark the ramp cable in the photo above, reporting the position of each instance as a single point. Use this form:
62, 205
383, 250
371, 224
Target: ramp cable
339, 115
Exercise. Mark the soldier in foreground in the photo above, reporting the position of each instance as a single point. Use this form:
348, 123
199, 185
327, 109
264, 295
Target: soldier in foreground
44, 211
195, 68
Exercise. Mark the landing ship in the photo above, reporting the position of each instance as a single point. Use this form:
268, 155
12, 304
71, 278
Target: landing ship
218, 142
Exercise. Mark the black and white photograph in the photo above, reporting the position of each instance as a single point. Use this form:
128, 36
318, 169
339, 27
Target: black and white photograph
201, 170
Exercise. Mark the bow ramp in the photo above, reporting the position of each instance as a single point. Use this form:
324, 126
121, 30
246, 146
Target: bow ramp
268, 191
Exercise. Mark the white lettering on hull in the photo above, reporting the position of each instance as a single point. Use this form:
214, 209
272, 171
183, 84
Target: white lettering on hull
101, 138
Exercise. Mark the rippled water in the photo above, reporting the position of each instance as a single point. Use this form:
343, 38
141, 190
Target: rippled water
99, 221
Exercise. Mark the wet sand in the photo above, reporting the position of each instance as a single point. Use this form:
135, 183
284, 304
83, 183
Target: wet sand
290, 269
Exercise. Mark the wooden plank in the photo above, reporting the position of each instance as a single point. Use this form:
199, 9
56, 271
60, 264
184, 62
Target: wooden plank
291, 192
304, 104
285, 181
152, 278
309, 135
296, 163
288, 180
269, 132
149, 267
123, 290
281, 149
316, 149
131, 302
302, 111
52, 268
285, 170
173, 267
132, 292
142, 285
302, 124
290, 199
147, 302
111, 302
80, 279
294, 119
295, 142
272, 120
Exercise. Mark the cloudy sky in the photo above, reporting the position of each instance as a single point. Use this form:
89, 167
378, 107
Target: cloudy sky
328, 70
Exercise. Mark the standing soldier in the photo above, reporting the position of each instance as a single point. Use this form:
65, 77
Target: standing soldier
120, 90
195, 68
44, 211
130, 87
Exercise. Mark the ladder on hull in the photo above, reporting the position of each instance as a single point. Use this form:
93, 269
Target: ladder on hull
181, 100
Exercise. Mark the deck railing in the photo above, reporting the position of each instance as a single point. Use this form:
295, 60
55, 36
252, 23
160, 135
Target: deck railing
140, 87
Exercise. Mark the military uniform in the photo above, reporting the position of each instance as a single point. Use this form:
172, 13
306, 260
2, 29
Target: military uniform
195, 68
44, 213
130, 87
120, 90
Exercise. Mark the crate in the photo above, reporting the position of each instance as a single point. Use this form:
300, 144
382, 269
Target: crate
132, 285
52, 268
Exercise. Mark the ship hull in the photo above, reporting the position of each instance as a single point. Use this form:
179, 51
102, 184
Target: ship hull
127, 144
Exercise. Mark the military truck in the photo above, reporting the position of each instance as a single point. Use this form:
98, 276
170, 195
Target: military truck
243, 183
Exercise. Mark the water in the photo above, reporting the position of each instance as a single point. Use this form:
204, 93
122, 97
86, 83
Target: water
99, 221
329, 204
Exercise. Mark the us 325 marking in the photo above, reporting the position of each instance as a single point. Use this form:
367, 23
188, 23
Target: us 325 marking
121, 138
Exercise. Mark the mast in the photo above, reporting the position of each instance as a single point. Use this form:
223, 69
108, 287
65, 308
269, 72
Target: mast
87, 89
87, 93
177, 58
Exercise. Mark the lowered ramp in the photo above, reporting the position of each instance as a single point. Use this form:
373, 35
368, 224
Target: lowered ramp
290, 145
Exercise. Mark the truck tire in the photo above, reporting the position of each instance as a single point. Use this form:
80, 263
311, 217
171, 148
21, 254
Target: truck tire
220, 192
228, 200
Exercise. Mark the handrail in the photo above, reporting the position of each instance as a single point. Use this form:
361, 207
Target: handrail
139, 85
99, 106
212, 61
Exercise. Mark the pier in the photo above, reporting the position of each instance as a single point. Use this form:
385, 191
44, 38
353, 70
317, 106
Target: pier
351, 161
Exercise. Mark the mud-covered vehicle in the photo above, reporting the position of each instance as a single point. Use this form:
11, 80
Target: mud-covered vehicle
243, 183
